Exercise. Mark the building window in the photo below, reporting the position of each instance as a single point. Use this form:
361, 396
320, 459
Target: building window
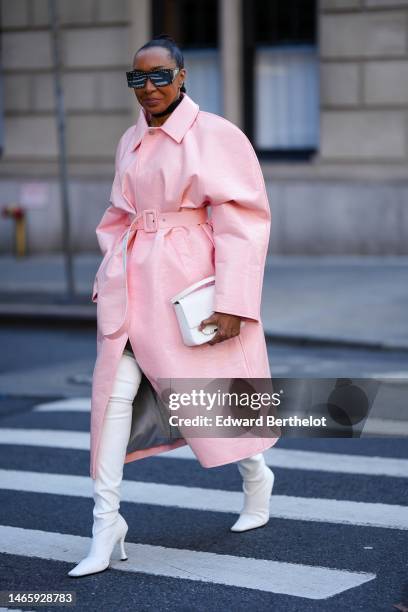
194, 26
281, 77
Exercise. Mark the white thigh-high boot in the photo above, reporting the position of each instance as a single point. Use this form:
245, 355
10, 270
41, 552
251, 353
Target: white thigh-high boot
258, 481
109, 527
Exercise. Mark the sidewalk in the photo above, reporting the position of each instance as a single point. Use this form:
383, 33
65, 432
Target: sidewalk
355, 301
360, 301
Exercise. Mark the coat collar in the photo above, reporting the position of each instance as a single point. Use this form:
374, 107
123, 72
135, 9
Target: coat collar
176, 125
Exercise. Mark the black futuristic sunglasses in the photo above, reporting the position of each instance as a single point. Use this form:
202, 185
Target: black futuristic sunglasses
159, 77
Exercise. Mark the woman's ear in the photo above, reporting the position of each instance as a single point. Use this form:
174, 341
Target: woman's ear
183, 76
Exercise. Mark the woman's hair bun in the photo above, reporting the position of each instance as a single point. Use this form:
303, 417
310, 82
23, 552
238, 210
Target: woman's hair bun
164, 37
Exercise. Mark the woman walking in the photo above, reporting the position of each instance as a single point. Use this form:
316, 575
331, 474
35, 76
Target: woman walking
157, 240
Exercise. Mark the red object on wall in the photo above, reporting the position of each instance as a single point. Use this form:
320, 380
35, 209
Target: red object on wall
15, 212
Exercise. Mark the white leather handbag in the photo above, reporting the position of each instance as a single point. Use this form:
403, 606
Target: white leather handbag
193, 305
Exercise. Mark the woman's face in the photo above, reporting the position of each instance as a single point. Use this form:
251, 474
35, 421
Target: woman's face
151, 98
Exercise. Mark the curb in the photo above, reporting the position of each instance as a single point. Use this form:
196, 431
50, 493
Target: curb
333, 342
47, 312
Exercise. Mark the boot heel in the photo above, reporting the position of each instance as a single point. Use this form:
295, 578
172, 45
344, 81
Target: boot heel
123, 555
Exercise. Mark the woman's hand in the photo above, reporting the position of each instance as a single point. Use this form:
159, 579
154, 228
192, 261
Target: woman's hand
228, 326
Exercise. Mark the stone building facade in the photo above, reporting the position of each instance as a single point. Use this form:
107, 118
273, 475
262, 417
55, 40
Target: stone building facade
340, 186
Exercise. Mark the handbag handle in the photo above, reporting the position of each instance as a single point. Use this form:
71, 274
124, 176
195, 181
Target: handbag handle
192, 288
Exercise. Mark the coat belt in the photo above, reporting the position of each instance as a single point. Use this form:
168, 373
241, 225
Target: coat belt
151, 220
115, 275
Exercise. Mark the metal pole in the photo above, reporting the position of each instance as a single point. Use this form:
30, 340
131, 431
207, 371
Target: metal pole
62, 158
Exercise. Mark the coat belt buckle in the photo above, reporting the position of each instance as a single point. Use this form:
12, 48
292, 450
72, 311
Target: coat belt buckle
150, 220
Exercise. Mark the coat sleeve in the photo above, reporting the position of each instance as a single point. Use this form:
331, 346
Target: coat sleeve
240, 217
114, 220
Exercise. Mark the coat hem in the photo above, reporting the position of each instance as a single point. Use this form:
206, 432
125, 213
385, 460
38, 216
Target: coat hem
153, 450
141, 454
245, 455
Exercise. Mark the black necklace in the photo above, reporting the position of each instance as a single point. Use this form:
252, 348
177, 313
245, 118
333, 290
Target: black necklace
170, 108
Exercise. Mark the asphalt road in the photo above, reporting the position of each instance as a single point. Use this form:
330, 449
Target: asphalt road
338, 534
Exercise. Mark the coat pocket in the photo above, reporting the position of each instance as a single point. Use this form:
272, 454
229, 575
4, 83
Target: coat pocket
95, 291
241, 344
208, 229
95, 284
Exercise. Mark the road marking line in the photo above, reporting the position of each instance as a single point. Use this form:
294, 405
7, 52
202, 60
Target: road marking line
305, 581
343, 512
72, 404
382, 427
275, 457
52, 438
337, 462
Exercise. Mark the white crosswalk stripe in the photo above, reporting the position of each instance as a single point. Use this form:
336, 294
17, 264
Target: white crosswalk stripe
305, 581
215, 500
71, 404
276, 457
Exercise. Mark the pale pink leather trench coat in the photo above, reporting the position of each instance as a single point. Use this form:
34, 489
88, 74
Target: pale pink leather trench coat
194, 159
